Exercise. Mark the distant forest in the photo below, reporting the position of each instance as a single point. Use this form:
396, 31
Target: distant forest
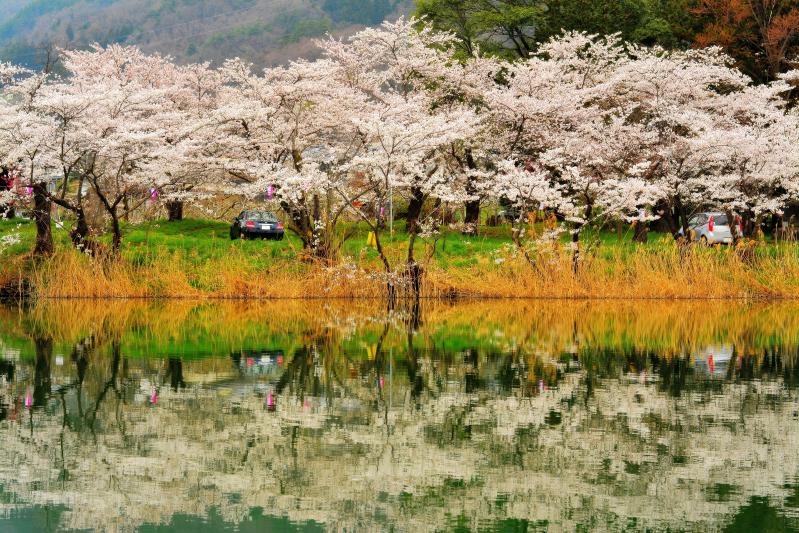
265, 32
762, 36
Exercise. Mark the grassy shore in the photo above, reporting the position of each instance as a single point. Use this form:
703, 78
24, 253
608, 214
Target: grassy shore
196, 258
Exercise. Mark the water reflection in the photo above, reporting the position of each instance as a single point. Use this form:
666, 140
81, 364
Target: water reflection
305, 415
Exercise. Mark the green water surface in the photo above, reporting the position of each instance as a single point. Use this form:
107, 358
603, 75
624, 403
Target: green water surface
347, 416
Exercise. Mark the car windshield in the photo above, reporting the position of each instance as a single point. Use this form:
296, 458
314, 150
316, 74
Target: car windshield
259, 216
720, 220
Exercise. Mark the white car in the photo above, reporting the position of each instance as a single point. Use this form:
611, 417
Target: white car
710, 228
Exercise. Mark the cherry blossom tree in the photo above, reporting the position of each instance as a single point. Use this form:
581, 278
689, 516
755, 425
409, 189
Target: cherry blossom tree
555, 119
590, 129
125, 125
349, 132
25, 136
188, 168
102, 126
409, 125
645, 130
286, 130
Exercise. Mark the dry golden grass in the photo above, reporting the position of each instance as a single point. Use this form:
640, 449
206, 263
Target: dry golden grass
664, 271
71, 275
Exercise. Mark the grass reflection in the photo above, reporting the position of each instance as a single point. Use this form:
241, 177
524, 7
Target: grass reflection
477, 415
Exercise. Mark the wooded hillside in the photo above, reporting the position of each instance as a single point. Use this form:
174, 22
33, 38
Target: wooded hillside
265, 32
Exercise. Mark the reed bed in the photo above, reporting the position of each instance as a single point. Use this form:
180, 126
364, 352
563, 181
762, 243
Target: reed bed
664, 271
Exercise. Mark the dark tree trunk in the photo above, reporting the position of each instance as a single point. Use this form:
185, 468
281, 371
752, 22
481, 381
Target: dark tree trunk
42, 207
668, 221
576, 251
174, 210
750, 225
472, 218
300, 222
116, 240
732, 220
317, 229
317, 209
414, 210
414, 273
755, 230
413, 270
300, 217
41, 371
641, 233
682, 218
80, 233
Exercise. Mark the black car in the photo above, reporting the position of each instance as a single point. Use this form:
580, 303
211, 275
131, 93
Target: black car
256, 224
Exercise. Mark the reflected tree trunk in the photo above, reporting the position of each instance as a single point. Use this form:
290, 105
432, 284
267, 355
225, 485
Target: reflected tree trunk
415, 377
112, 380
81, 364
175, 373
7, 370
41, 373
471, 376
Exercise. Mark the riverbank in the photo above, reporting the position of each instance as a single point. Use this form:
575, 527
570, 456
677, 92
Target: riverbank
196, 259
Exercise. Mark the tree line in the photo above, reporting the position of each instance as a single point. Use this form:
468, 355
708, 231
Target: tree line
762, 36
586, 129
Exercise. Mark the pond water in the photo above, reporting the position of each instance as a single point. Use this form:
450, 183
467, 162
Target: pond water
317, 415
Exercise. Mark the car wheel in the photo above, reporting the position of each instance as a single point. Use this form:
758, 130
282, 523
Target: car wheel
279, 237
235, 233
703, 241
